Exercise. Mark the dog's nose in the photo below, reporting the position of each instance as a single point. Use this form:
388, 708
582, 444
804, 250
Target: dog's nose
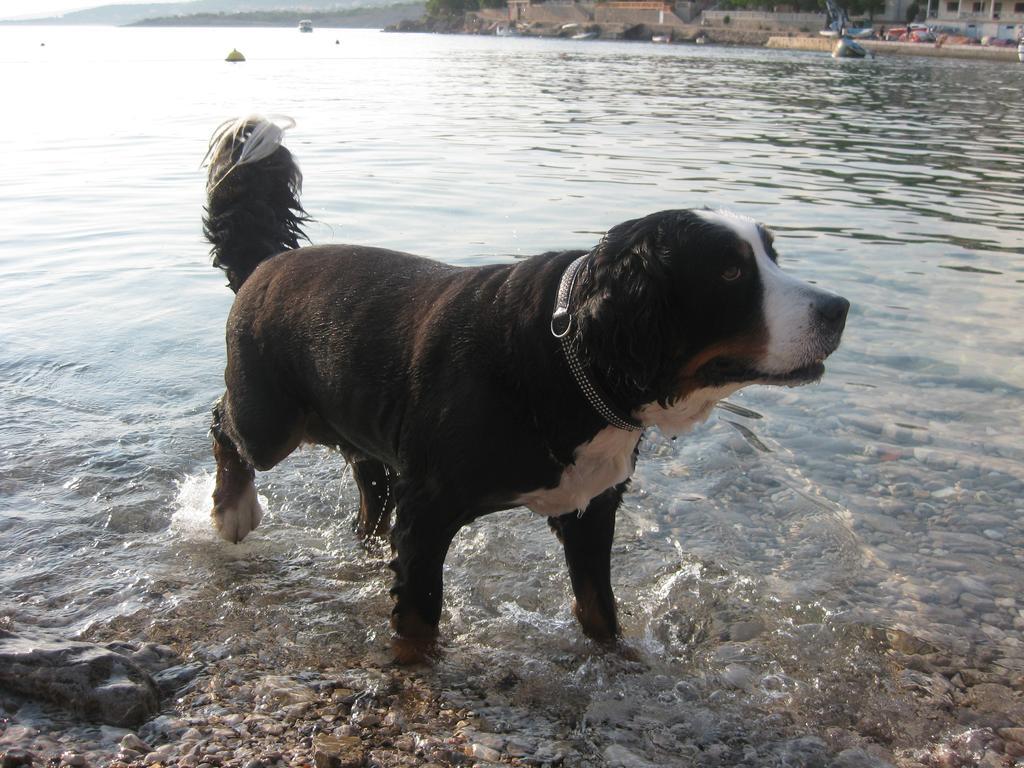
832, 309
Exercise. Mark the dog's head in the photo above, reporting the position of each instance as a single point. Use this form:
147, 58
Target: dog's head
694, 301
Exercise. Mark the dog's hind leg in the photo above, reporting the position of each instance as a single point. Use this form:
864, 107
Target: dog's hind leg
376, 497
236, 510
256, 435
587, 540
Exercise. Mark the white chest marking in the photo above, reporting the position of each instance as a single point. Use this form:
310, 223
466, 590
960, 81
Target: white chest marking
604, 462
687, 413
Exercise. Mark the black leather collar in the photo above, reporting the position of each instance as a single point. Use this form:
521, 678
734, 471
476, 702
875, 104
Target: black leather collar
561, 324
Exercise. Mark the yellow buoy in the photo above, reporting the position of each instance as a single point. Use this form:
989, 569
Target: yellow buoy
235, 55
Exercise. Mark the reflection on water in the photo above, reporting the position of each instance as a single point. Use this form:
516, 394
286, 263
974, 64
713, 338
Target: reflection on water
770, 562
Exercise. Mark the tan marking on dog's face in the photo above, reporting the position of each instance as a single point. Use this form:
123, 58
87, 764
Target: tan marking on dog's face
746, 347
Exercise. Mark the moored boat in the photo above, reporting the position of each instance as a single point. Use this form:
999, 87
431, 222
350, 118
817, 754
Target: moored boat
305, 25
846, 48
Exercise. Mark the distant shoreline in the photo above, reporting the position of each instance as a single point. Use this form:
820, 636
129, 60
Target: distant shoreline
410, 17
366, 17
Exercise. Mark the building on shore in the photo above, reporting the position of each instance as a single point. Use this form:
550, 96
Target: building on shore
975, 18
1002, 19
654, 12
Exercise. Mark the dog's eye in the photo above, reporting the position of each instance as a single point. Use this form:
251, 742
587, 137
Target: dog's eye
732, 274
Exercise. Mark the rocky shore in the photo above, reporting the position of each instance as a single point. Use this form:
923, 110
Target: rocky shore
644, 31
252, 701
477, 24
279, 658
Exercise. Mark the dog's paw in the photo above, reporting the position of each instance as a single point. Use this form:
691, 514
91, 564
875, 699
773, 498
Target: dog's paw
236, 520
596, 624
413, 651
415, 640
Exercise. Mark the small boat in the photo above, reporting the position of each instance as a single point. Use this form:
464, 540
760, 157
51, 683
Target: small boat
846, 48
1020, 51
661, 39
701, 39
506, 30
849, 32
585, 36
305, 25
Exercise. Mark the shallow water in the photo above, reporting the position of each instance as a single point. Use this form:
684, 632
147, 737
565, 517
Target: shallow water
830, 522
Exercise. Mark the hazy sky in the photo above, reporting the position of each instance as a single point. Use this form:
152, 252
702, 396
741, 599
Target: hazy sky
14, 8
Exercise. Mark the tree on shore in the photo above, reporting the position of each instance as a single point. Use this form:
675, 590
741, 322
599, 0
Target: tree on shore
865, 7
440, 8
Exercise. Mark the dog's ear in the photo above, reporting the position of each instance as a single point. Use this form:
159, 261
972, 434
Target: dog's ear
633, 248
624, 321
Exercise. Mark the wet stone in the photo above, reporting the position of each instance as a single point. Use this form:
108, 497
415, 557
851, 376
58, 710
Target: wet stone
88, 679
134, 743
337, 751
368, 720
742, 631
992, 697
907, 643
859, 758
16, 758
975, 604
284, 692
738, 676
482, 752
175, 678
1015, 735
163, 728
618, 756
405, 743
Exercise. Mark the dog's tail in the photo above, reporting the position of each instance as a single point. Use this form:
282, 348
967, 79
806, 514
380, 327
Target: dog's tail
252, 207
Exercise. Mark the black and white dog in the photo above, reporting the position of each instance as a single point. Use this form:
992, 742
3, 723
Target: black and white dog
455, 392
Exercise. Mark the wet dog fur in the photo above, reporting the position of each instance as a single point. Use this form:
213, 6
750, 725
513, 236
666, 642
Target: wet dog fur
444, 387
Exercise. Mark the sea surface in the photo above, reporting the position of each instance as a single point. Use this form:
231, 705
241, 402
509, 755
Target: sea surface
781, 553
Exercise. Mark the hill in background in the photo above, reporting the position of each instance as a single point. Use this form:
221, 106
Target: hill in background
359, 17
118, 15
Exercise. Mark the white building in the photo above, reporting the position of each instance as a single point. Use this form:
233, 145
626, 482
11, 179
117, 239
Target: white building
977, 18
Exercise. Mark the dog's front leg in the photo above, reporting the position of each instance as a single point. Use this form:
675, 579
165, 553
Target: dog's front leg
423, 531
587, 540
